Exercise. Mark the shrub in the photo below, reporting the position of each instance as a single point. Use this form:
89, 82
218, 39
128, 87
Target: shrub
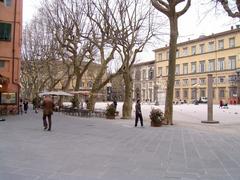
156, 115
110, 110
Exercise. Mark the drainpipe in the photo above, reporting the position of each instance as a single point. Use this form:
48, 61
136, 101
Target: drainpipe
13, 53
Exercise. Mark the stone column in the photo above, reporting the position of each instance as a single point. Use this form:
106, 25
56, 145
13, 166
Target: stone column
210, 101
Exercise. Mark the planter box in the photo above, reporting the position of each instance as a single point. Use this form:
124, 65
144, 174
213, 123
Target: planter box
156, 124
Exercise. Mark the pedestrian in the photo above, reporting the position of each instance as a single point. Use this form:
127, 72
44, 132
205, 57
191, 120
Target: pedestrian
25, 106
48, 106
21, 106
115, 103
138, 113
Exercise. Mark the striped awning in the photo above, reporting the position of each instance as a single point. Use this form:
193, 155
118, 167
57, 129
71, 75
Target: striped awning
3, 79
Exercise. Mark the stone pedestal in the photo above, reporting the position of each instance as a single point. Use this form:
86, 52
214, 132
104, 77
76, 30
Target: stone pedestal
210, 102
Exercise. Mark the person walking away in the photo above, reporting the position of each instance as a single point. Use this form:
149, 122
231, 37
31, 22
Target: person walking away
138, 113
48, 106
115, 103
25, 106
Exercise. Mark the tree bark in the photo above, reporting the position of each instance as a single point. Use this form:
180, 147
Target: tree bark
171, 69
127, 105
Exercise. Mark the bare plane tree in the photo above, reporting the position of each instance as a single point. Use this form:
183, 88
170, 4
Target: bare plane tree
232, 11
168, 8
69, 26
135, 28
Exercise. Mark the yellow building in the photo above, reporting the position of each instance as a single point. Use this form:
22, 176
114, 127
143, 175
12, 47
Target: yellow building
217, 54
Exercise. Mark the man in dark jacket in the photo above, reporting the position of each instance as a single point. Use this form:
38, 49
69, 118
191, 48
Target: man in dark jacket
48, 106
138, 113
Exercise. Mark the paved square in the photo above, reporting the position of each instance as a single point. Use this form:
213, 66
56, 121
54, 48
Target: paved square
100, 149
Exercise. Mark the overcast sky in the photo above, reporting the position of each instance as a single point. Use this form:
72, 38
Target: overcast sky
200, 19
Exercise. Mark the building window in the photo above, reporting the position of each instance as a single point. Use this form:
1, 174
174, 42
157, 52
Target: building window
177, 93
221, 79
221, 93
232, 78
202, 66
221, 64
90, 84
193, 81
160, 56
81, 84
202, 48
185, 68
185, 51
167, 55
177, 53
160, 71
202, 92
151, 74
232, 91
138, 75
232, 62
193, 67
221, 44
193, 50
185, 82
211, 46
144, 74
177, 71
6, 2
231, 42
211, 65
166, 70
2, 64
185, 93
202, 81
194, 93
177, 82
5, 32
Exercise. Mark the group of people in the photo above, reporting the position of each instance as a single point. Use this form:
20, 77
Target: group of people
48, 107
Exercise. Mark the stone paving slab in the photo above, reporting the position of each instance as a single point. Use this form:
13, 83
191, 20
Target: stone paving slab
100, 149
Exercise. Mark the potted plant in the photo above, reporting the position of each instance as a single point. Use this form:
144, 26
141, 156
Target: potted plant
110, 111
156, 116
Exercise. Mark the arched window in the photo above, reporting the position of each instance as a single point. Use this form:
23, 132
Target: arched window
151, 73
138, 75
90, 84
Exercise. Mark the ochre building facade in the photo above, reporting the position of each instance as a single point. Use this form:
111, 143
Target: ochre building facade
217, 54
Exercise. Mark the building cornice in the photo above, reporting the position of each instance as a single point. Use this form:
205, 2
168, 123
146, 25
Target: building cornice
203, 38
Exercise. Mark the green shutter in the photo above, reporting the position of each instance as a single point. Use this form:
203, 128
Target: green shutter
5, 31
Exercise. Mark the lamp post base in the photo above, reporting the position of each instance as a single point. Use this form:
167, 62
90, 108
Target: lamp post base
210, 122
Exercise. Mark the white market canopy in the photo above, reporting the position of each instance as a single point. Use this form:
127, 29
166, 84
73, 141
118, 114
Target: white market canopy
55, 93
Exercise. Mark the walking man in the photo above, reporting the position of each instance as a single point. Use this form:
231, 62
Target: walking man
138, 113
48, 106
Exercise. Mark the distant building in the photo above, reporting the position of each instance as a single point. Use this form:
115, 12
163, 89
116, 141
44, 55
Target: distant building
217, 54
144, 81
10, 52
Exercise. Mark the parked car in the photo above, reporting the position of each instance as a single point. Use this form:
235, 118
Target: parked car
202, 100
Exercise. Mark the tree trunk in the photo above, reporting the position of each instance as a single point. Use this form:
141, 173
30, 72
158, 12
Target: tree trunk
92, 99
171, 69
127, 105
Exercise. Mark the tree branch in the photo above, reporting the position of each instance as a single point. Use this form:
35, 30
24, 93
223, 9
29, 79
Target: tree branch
184, 9
161, 6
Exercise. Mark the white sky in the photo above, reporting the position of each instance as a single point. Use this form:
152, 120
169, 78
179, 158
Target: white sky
195, 22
